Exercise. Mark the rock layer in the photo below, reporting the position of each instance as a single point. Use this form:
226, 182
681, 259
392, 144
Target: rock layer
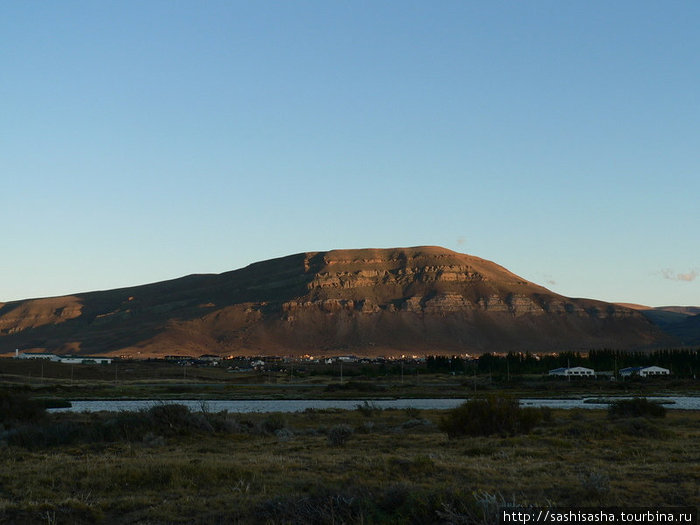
422, 300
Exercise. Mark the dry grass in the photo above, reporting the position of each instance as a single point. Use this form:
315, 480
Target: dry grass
392, 469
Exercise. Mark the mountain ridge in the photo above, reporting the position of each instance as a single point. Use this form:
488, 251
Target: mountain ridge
424, 299
681, 322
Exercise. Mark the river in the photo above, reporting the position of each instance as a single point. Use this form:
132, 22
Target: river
292, 405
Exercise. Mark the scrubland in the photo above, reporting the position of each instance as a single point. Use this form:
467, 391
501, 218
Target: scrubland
172, 465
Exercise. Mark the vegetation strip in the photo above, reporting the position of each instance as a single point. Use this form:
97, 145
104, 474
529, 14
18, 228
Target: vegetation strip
170, 464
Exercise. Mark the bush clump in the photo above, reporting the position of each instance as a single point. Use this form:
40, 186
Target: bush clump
273, 423
367, 408
19, 408
412, 412
641, 427
147, 426
637, 407
488, 416
339, 435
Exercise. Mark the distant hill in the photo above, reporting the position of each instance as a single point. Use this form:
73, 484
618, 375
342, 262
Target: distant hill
422, 300
685, 310
688, 330
681, 322
664, 318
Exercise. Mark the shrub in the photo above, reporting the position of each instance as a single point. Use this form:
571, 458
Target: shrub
146, 426
321, 506
416, 423
483, 508
228, 424
19, 408
595, 484
490, 415
367, 427
637, 407
167, 416
33, 435
339, 435
418, 465
412, 412
547, 415
368, 409
152, 441
272, 423
284, 434
641, 428
172, 419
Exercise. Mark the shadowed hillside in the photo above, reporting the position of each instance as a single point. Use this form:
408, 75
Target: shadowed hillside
374, 301
680, 322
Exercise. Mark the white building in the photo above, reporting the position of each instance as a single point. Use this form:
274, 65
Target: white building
574, 371
85, 360
644, 371
78, 360
36, 355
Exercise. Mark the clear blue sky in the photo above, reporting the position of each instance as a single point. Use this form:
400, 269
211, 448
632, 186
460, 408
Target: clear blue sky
142, 141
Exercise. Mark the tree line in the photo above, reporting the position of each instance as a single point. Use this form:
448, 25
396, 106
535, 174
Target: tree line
682, 363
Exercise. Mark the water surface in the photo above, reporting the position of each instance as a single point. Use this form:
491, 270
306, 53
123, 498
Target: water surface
294, 405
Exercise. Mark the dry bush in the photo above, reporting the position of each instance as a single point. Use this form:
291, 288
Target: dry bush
368, 409
16, 408
488, 416
637, 407
339, 435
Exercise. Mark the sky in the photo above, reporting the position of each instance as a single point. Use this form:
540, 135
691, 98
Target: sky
144, 141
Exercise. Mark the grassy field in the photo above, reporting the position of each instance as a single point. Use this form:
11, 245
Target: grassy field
163, 380
359, 466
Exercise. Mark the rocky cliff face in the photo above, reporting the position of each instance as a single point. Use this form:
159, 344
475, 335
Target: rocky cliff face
409, 300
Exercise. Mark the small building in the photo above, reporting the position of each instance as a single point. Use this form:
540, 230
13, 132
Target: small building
85, 360
644, 371
36, 355
574, 371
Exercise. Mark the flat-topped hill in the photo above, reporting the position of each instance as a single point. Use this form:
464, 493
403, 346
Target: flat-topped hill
420, 300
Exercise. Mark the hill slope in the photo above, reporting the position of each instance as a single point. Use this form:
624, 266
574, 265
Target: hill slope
374, 301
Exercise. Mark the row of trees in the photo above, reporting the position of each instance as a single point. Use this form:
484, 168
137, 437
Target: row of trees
684, 363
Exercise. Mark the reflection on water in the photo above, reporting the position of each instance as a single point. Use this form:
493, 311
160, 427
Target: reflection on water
675, 402
287, 405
